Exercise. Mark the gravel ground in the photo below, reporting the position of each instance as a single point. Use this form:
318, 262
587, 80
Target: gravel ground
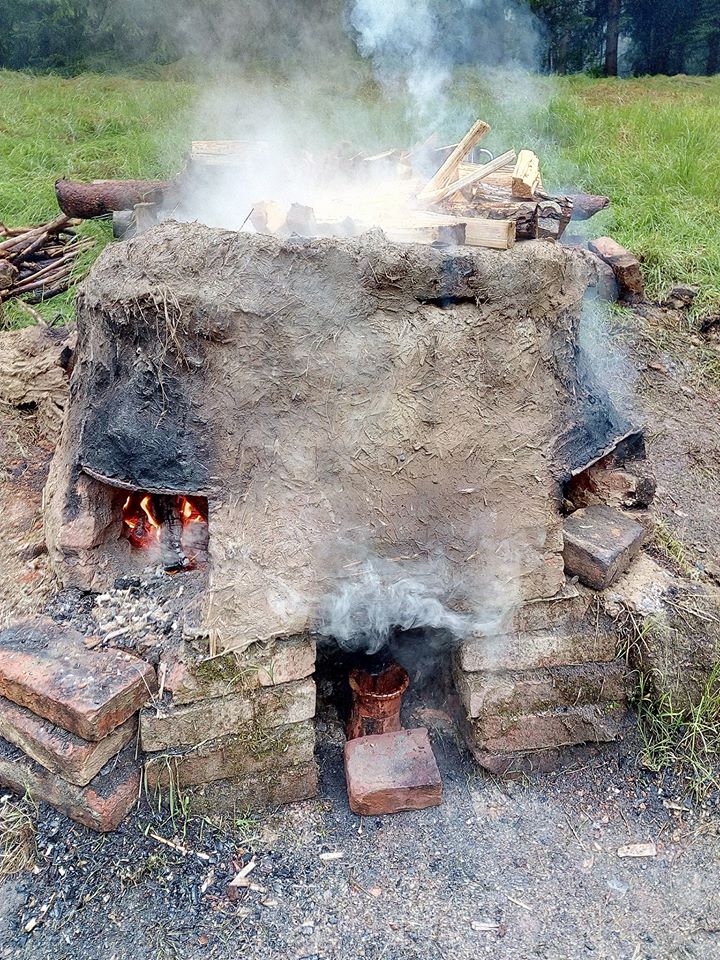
514, 871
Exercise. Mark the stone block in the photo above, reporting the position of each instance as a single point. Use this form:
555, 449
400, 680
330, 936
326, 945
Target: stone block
600, 543
47, 669
542, 648
257, 791
390, 772
101, 805
75, 759
564, 727
190, 678
166, 726
228, 758
534, 691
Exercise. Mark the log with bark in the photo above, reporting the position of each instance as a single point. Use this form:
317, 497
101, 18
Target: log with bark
101, 197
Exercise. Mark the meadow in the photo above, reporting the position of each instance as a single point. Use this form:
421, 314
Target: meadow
651, 144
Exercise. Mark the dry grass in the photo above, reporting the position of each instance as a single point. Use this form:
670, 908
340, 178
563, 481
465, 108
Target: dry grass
17, 836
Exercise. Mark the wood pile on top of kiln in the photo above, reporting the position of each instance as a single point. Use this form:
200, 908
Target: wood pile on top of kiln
489, 204
37, 263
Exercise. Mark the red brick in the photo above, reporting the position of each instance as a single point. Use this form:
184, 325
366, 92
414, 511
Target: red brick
190, 678
166, 727
101, 805
75, 759
541, 648
600, 543
47, 669
521, 764
390, 772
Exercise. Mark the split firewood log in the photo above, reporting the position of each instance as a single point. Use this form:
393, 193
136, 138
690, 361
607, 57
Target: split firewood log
542, 217
102, 197
33, 372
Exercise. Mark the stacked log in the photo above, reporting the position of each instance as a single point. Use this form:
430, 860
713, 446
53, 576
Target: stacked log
37, 263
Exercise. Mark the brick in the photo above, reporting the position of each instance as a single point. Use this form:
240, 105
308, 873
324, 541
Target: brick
59, 751
259, 665
566, 726
101, 805
566, 610
605, 483
519, 765
542, 648
625, 266
47, 669
390, 772
229, 758
166, 726
600, 543
534, 691
258, 791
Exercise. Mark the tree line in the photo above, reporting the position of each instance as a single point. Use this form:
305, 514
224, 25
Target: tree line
631, 37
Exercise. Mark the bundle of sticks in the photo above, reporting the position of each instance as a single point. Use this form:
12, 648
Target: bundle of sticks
37, 263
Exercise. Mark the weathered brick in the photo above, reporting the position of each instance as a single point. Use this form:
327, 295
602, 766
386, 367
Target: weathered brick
101, 805
533, 691
519, 765
566, 726
75, 759
47, 669
390, 772
260, 665
250, 752
542, 648
567, 611
259, 791
600, 543
166, 726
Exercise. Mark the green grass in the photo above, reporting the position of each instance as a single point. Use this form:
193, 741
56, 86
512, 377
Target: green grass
684, 739
652, 145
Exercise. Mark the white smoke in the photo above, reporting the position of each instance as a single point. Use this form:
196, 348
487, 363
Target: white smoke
383, 596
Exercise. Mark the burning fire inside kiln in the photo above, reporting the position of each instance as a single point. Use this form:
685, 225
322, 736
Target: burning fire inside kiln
175, 527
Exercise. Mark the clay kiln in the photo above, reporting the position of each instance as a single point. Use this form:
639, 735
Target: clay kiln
329, 404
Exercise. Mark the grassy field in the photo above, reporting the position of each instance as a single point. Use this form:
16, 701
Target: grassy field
652, 145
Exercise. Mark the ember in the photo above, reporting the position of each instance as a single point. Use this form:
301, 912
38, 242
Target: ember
176, 525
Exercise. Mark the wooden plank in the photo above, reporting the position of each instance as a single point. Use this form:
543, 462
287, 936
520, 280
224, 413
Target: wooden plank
480, 173
220, 148
479, 231
447, 171
526, 175
502, 178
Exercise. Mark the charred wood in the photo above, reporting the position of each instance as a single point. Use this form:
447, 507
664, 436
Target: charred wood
586, 205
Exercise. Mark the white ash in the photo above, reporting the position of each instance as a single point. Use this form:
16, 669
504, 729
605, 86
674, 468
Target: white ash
145, 614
